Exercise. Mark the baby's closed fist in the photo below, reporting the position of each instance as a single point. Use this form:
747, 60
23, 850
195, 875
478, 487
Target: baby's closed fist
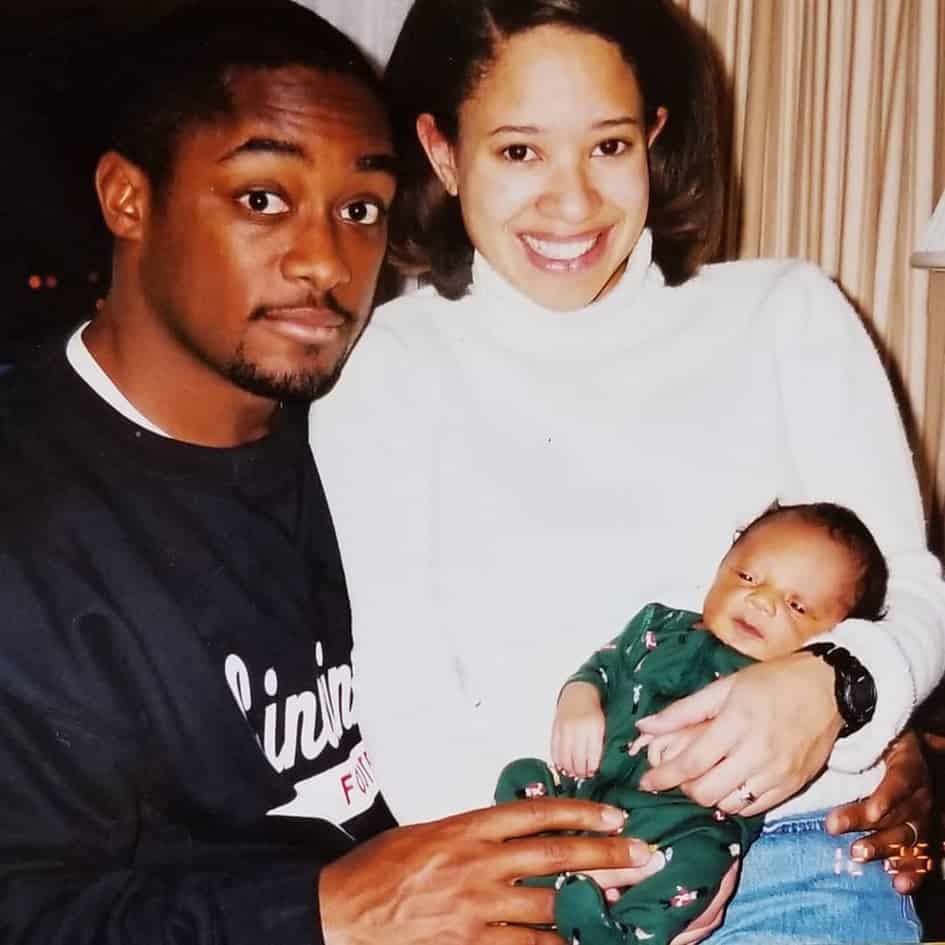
577, 738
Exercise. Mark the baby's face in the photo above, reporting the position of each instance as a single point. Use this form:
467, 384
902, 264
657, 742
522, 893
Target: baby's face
786, 581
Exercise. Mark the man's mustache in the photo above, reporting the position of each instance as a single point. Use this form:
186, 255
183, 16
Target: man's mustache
327, 300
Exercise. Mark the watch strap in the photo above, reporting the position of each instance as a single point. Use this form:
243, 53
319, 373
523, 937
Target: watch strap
854, 687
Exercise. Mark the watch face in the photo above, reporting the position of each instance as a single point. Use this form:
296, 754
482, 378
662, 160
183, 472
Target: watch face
856, 693
863, 696
854, 689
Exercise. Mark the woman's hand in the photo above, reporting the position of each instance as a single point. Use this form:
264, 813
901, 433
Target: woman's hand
660, 748
771, 728
902, 801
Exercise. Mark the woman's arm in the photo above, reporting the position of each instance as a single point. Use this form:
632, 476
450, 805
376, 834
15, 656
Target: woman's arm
846, 443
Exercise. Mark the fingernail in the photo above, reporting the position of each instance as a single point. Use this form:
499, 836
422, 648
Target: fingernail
639, 852
889, 868
861, 852
614, 818
611, 895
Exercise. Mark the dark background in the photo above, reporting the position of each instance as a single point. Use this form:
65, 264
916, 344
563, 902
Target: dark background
54, 103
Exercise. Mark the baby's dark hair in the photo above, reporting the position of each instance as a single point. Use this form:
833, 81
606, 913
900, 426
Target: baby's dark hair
846, 528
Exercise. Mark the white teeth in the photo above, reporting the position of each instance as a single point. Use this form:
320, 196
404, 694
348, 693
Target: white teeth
560, 251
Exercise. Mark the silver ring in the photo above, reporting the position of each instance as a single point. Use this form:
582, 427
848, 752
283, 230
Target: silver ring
915, 833
745, 794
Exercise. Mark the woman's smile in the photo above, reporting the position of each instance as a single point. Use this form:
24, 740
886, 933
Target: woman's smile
565, 255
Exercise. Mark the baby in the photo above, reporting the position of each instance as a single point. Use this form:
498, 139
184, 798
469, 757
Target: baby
792, 574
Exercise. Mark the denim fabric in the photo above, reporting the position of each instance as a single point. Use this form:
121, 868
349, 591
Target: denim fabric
799, 887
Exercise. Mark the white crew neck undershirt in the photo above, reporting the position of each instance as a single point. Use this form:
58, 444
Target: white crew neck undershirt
79, 356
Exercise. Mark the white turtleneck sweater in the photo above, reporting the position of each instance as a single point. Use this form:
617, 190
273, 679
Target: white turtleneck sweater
510, 485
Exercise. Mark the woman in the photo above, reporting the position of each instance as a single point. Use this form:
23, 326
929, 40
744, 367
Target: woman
575, 417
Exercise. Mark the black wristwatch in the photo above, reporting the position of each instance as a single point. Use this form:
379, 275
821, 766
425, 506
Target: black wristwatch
854, 688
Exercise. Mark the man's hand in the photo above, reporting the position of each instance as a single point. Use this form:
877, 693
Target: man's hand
577, 737
772, 727
903, 797
453, 881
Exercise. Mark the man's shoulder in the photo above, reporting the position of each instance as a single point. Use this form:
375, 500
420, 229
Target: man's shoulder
37, 383
22, 405
37, 485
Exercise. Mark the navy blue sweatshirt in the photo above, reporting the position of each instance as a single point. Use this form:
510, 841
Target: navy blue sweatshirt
179, 749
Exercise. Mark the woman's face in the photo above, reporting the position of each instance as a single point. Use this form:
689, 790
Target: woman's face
551, 164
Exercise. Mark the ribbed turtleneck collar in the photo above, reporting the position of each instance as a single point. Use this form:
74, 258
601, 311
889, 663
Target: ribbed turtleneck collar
517, 321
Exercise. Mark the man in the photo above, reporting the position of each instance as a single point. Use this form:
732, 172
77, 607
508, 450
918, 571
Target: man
180, 758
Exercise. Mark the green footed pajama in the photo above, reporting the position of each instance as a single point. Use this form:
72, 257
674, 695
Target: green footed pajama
657, 659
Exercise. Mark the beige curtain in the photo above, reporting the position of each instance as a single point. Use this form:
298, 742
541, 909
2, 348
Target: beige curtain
837, 144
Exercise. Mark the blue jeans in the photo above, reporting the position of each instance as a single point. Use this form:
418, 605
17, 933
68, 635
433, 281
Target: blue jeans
799, 887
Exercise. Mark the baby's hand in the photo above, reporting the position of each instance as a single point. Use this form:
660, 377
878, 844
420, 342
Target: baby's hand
661, 748
577, 737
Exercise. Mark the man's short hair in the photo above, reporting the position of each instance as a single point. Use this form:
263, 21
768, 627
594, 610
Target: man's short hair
179, 70
846, 528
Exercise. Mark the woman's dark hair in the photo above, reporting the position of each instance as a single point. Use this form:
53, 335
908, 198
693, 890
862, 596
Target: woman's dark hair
179, 70
447, 46
846, 528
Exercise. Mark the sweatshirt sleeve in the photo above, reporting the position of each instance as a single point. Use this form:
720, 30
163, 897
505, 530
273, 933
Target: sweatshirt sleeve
607, 668
70, 873
603, 667
96, 846
847, 441
599, 670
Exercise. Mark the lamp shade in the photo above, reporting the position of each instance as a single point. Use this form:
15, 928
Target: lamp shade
930, 253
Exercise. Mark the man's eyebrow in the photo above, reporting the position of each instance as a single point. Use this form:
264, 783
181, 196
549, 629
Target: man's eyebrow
265, 146
380, 163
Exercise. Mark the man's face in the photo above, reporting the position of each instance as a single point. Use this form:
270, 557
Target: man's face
261, 257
